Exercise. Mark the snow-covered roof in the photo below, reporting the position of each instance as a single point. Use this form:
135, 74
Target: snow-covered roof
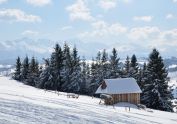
119, 86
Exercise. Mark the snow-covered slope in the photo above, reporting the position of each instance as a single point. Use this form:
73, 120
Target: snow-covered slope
21, 104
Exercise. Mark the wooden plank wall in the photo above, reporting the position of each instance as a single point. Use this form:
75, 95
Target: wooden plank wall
133, 98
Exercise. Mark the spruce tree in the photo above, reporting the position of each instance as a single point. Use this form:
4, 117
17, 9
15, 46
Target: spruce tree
98, 71
98, 58
143, 76
75, 72
105, 72
114, 65
83, 76
88, 79
17, 74
33, 72
25, 69
156, 93
126, 71
51, 77
95, 76
45, 77
134, 67
57, 67
67, 68
31, 75
134, 63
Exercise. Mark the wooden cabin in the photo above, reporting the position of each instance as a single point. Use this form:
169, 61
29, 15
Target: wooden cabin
121, 90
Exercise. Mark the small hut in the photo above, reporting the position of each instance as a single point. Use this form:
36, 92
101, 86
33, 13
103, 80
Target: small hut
121, 90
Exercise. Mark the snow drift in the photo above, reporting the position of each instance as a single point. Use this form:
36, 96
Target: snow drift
21, 104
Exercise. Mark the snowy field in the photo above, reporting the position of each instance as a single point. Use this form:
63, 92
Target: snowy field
21, 104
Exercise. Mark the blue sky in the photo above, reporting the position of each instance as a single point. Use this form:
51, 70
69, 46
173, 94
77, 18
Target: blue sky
132, 26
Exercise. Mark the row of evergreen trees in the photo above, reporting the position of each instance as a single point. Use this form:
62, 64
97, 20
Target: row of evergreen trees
27, 72
65, 71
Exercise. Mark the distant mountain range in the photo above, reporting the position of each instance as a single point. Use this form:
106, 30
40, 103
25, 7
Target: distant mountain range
170, 63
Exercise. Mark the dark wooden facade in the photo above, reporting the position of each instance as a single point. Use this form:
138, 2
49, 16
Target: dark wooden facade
133, 98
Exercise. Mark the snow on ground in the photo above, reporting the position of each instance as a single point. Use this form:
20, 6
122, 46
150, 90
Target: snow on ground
21, 104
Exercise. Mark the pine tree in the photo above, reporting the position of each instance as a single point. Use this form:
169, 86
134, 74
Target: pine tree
67, 68
98, 71
85, 78
52, 76
114, 65
33, 75
95, 76
143, 80
25, 69
98, 58
143, 76
126, 71
45, 79
134, 67
105, 71
17, 74
75, 72
156, 93
57, 67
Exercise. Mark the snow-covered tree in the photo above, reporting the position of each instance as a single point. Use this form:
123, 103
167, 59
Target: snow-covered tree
75, 72
25, 68
67, 70
156, 93
114, 65
85, 78
52, 77
56, 65
46, 80
33, 72
99, 70
126, 70
142, 76
17, 74
105, 66
95, 76
134, 67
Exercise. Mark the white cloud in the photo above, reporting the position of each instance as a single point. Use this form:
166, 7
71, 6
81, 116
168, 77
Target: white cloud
26, 45
30, 33
101, 28
153, 36
143, 18
126, 1
149, 37
66, 28
79, 11
39, 2
174, 1
36, 49
146, 32
3, 1
170, 16
107, 4
171, 35
124, 48
17, 15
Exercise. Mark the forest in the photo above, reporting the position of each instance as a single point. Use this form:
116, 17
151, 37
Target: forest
65, 71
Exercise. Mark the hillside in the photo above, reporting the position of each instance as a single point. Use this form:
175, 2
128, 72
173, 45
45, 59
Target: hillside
21, 104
